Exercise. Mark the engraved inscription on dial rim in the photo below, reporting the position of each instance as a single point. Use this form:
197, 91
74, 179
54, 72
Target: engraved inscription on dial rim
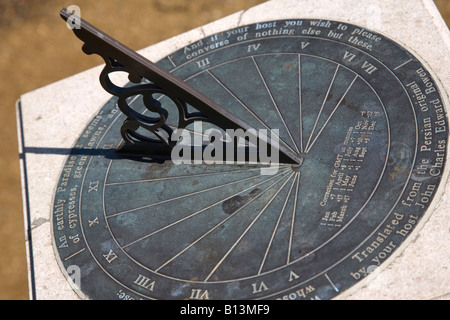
367, 121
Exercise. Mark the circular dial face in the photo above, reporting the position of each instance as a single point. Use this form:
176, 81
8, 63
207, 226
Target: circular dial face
363, 114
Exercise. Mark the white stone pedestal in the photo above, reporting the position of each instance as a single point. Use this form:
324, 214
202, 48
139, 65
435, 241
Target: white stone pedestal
51, 119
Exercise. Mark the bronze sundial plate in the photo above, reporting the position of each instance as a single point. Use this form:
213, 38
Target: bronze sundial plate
364, 114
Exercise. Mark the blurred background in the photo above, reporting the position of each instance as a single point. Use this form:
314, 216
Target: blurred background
36, 49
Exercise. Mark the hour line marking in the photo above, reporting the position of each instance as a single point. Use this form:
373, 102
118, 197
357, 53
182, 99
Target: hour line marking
331, 282
332, 113
300, 102
237, 99
248, 228
246, 108
403, 64
274, 103
180, 177
171, 61
276, 225
73, 255
321, 108
183, 196
294, 211
200, 211
218, 225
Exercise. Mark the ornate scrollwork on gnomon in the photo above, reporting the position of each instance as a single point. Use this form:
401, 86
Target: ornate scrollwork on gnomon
160, 131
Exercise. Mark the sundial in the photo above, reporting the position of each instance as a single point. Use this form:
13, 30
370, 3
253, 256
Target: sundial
358, 128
